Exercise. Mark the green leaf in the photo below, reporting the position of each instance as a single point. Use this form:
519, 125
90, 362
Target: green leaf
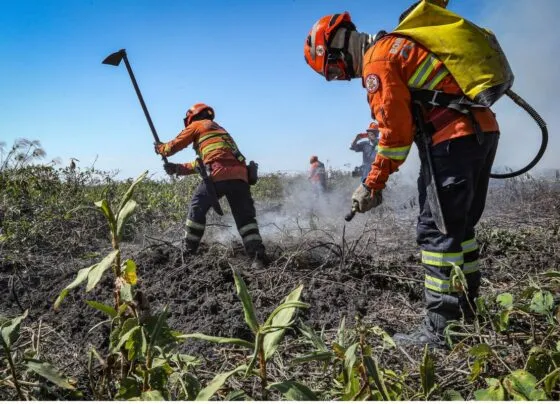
103, 205
539, 362
247, 302
80, 278
551, 380
126, 293
494, 392
427, 373
387, 340
48, 371
217, 383
10, 329
314, 356
136, 344
481, 351
97, 271
312, 337
521, 385
294, 391
503, 320
452, 395
552, 274
129, 389
219, 340
123, 216
152, 395
280, 318
542, 302
128, 269
238, 395
130, 191
351, 388
505, 300
111, 312
481, 308
124, 338
117, 334
373, 371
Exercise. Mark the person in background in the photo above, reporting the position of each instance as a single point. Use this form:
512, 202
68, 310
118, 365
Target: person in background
368, 148
317, 176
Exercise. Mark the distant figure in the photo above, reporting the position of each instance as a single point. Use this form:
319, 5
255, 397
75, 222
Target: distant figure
368, 148
317, 175
72, 165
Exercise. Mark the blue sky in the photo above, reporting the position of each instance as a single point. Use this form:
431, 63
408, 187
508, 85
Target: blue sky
245, 58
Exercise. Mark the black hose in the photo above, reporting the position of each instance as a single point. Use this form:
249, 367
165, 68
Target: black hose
542, 124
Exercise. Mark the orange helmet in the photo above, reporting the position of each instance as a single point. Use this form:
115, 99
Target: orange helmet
313, 159
372, 127
332, 63
197, 110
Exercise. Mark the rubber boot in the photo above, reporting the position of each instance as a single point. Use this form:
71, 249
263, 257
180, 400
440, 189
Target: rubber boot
425, 334
256, 252
190, 247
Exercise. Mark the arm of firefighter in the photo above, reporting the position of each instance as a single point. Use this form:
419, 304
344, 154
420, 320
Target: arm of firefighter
389, 99
186, 168
182, 140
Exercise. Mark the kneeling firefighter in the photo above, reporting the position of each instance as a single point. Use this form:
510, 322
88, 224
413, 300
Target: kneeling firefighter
224, 173
430, 81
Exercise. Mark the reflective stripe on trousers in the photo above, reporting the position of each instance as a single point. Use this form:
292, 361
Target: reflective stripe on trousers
461, 169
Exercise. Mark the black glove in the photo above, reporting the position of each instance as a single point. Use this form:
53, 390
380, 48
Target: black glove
170, 168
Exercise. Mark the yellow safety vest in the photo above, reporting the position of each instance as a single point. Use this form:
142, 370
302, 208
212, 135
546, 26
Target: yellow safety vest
471, 54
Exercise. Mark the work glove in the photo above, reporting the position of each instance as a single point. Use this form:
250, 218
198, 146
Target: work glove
363, 199
171, 168
160, 148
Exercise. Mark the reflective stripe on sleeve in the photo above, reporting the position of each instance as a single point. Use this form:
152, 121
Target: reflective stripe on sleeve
394, 153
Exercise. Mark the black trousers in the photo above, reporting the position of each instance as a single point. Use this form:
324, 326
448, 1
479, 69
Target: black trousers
462, 170
238, 195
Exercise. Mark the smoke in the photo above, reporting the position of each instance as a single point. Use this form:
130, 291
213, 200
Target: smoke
529, 35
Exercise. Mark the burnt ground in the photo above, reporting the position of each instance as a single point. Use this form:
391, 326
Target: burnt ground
368, 268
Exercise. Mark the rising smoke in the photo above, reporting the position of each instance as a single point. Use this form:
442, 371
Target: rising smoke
529, 35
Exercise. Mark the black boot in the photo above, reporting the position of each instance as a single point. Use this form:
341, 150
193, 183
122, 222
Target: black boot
423, 335
256, 252
190, 247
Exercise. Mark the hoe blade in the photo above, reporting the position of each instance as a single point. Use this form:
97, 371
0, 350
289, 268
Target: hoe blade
114, 59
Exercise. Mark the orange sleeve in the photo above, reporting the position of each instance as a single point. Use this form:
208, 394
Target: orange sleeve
187, 168
385, 78
182, 140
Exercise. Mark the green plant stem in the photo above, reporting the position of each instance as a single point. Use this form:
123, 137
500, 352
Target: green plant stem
262, 368
13, 370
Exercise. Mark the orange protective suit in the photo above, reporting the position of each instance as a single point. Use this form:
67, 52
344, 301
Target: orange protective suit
214, 145
392, 66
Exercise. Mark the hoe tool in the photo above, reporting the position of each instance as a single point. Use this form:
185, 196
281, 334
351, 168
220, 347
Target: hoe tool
114, 59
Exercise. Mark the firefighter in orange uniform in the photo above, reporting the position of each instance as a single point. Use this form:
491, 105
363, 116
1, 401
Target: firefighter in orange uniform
463, 146
227, 169
317, 175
